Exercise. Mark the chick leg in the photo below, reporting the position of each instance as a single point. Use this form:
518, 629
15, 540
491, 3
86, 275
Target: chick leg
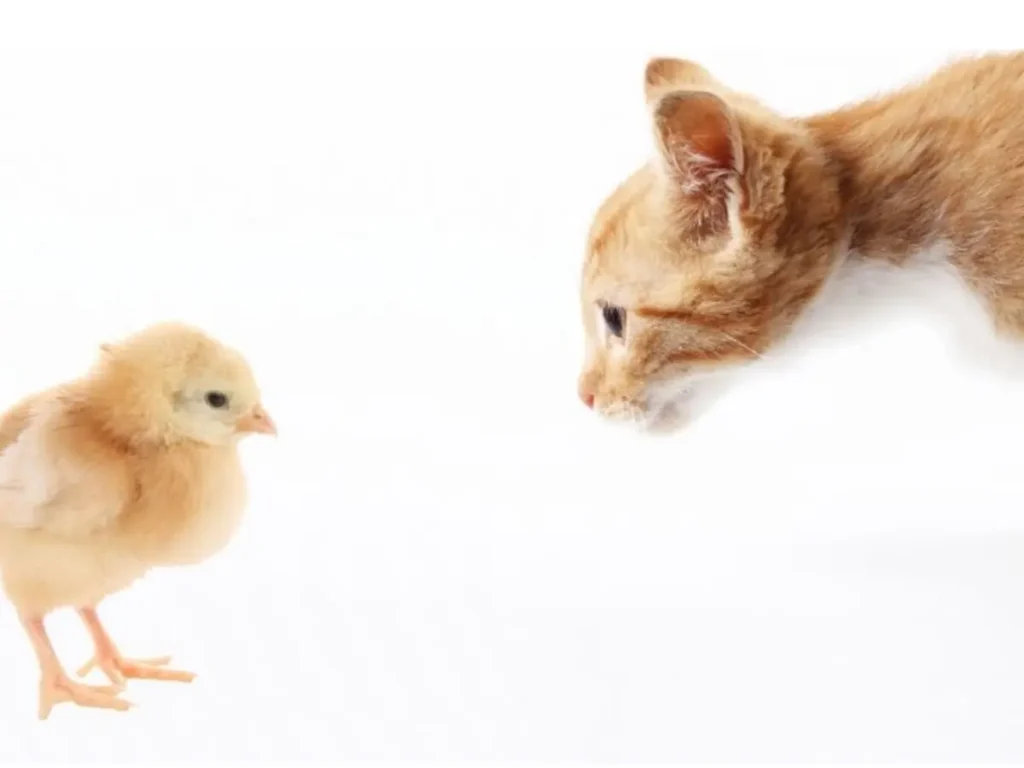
55, 686
115, 666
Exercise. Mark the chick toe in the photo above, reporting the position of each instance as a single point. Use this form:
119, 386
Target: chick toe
58, 688
118, 669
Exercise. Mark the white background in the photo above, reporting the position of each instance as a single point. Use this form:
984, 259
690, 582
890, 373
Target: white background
446, 556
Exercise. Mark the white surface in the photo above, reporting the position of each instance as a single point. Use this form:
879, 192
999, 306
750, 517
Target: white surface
446, 556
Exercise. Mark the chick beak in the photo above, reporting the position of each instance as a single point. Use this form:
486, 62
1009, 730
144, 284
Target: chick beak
257, 420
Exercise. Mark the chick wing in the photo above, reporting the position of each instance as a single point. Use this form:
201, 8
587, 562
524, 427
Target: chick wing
57, 474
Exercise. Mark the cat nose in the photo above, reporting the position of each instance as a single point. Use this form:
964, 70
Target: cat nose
587, 398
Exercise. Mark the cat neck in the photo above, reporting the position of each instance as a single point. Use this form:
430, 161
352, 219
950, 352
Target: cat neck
888, 174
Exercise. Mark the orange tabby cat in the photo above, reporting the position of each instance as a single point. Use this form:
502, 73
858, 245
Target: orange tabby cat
707, 255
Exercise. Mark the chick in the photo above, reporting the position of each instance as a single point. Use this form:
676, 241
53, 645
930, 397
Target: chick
133, 466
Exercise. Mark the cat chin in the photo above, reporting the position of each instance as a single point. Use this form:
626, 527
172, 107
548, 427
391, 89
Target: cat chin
674, 404
666, 420
663, 419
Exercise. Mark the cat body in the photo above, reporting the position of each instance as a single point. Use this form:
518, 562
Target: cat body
706, 257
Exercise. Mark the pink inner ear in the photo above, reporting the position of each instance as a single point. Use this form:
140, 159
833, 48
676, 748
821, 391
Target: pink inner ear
695, 127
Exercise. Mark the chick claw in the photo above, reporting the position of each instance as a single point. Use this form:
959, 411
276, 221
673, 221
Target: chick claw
118, 669
55, 689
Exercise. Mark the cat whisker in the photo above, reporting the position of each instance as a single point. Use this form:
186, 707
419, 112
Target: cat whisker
739, 343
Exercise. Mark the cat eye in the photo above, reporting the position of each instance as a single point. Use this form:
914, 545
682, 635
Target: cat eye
216, 400
614, 318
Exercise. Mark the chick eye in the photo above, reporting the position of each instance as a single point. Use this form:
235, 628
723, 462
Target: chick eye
614, 318
216, 400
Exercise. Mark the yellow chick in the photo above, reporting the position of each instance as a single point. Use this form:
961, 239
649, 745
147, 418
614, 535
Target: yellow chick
131, 467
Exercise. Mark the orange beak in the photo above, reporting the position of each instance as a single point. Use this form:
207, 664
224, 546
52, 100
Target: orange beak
257, 420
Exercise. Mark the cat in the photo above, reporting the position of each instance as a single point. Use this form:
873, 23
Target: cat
705, 258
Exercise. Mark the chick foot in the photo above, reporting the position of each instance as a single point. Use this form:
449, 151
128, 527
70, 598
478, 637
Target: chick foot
57, 688
116, 667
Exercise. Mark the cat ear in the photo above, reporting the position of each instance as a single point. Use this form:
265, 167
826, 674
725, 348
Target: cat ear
665, 75
698, 141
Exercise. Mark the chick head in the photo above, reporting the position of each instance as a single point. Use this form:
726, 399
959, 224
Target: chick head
172, 382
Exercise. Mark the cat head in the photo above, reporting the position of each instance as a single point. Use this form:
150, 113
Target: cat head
703, 258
